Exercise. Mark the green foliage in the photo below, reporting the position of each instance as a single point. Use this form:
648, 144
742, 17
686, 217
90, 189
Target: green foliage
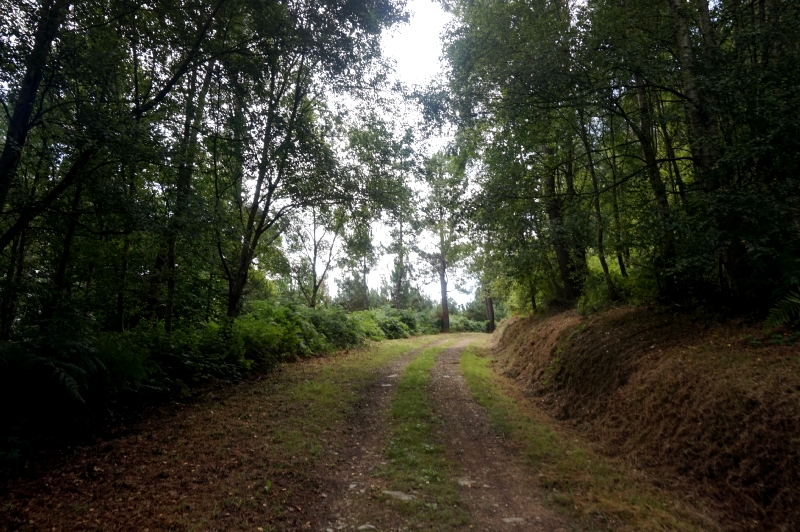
391, 325
784, 312
67, 380
459, 323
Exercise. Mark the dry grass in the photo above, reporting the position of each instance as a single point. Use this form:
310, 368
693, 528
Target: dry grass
708, 409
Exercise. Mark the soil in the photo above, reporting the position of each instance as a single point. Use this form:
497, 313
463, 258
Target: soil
204, 466
351, 487
497, 486
710, 409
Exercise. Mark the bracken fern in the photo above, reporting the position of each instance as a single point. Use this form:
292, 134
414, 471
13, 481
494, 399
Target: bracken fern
785, 311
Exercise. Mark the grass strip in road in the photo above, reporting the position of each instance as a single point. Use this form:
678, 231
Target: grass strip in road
417, 463
596, 491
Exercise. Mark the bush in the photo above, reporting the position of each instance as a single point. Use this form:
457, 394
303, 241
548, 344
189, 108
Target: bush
366, 323
459, 323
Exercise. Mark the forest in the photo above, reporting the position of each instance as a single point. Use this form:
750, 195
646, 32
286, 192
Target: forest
180, 179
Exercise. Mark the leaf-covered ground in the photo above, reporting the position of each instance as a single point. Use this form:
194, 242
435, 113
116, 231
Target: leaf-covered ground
387, 438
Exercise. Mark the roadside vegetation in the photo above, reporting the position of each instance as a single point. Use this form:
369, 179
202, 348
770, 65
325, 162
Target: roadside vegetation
239, 458
601, 493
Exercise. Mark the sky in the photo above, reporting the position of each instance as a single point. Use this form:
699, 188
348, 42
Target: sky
416, 49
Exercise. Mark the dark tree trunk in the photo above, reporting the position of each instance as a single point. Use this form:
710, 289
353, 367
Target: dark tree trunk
565, 263
645, 134
61, 282
191, 126
11, 292
702, 120
399, 283
490, 314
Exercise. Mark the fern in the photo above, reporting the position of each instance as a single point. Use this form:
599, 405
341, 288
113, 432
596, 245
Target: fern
68, 381
784, 312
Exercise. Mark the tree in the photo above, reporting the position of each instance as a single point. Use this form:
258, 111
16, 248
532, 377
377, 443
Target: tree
441, 217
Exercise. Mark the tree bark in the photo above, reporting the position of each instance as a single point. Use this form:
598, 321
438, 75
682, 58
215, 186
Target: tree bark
443, 285
399, 282
619, 240
11, 291
259, 220
553, 205
490, 313
191, 126
704, 134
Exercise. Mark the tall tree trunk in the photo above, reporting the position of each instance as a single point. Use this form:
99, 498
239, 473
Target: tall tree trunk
443, 285
553, 206
601, 254
532, 291
671, 152
490, 313
61, 283
123, 280
258, 216
704, 134
399, 282
188, 148
51, 15
364, 284
620, 247
11, 291
644, 131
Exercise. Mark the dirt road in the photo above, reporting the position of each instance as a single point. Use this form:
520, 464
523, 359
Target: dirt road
305, 449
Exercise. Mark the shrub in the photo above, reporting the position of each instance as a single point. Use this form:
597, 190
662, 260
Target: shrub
459, 323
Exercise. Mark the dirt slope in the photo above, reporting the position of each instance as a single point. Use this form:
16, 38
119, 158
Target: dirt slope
712, 408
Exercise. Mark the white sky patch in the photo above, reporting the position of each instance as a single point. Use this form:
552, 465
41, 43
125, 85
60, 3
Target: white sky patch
417, 46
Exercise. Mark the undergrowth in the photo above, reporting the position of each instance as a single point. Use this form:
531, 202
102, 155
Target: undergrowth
417, 463
600, 494
69, 379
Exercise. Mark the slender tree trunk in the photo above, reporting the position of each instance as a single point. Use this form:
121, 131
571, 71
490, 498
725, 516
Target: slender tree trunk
645, 134
490, 313
192, 122
612, 291
704, 134
123, 281
662, 122
364, 284
51, 15
620, 246
443, 285
257, 221
532, 291
61, 284
87, 289
11, 292
399, 283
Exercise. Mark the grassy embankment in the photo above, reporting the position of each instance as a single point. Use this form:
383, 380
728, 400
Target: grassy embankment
601, 494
